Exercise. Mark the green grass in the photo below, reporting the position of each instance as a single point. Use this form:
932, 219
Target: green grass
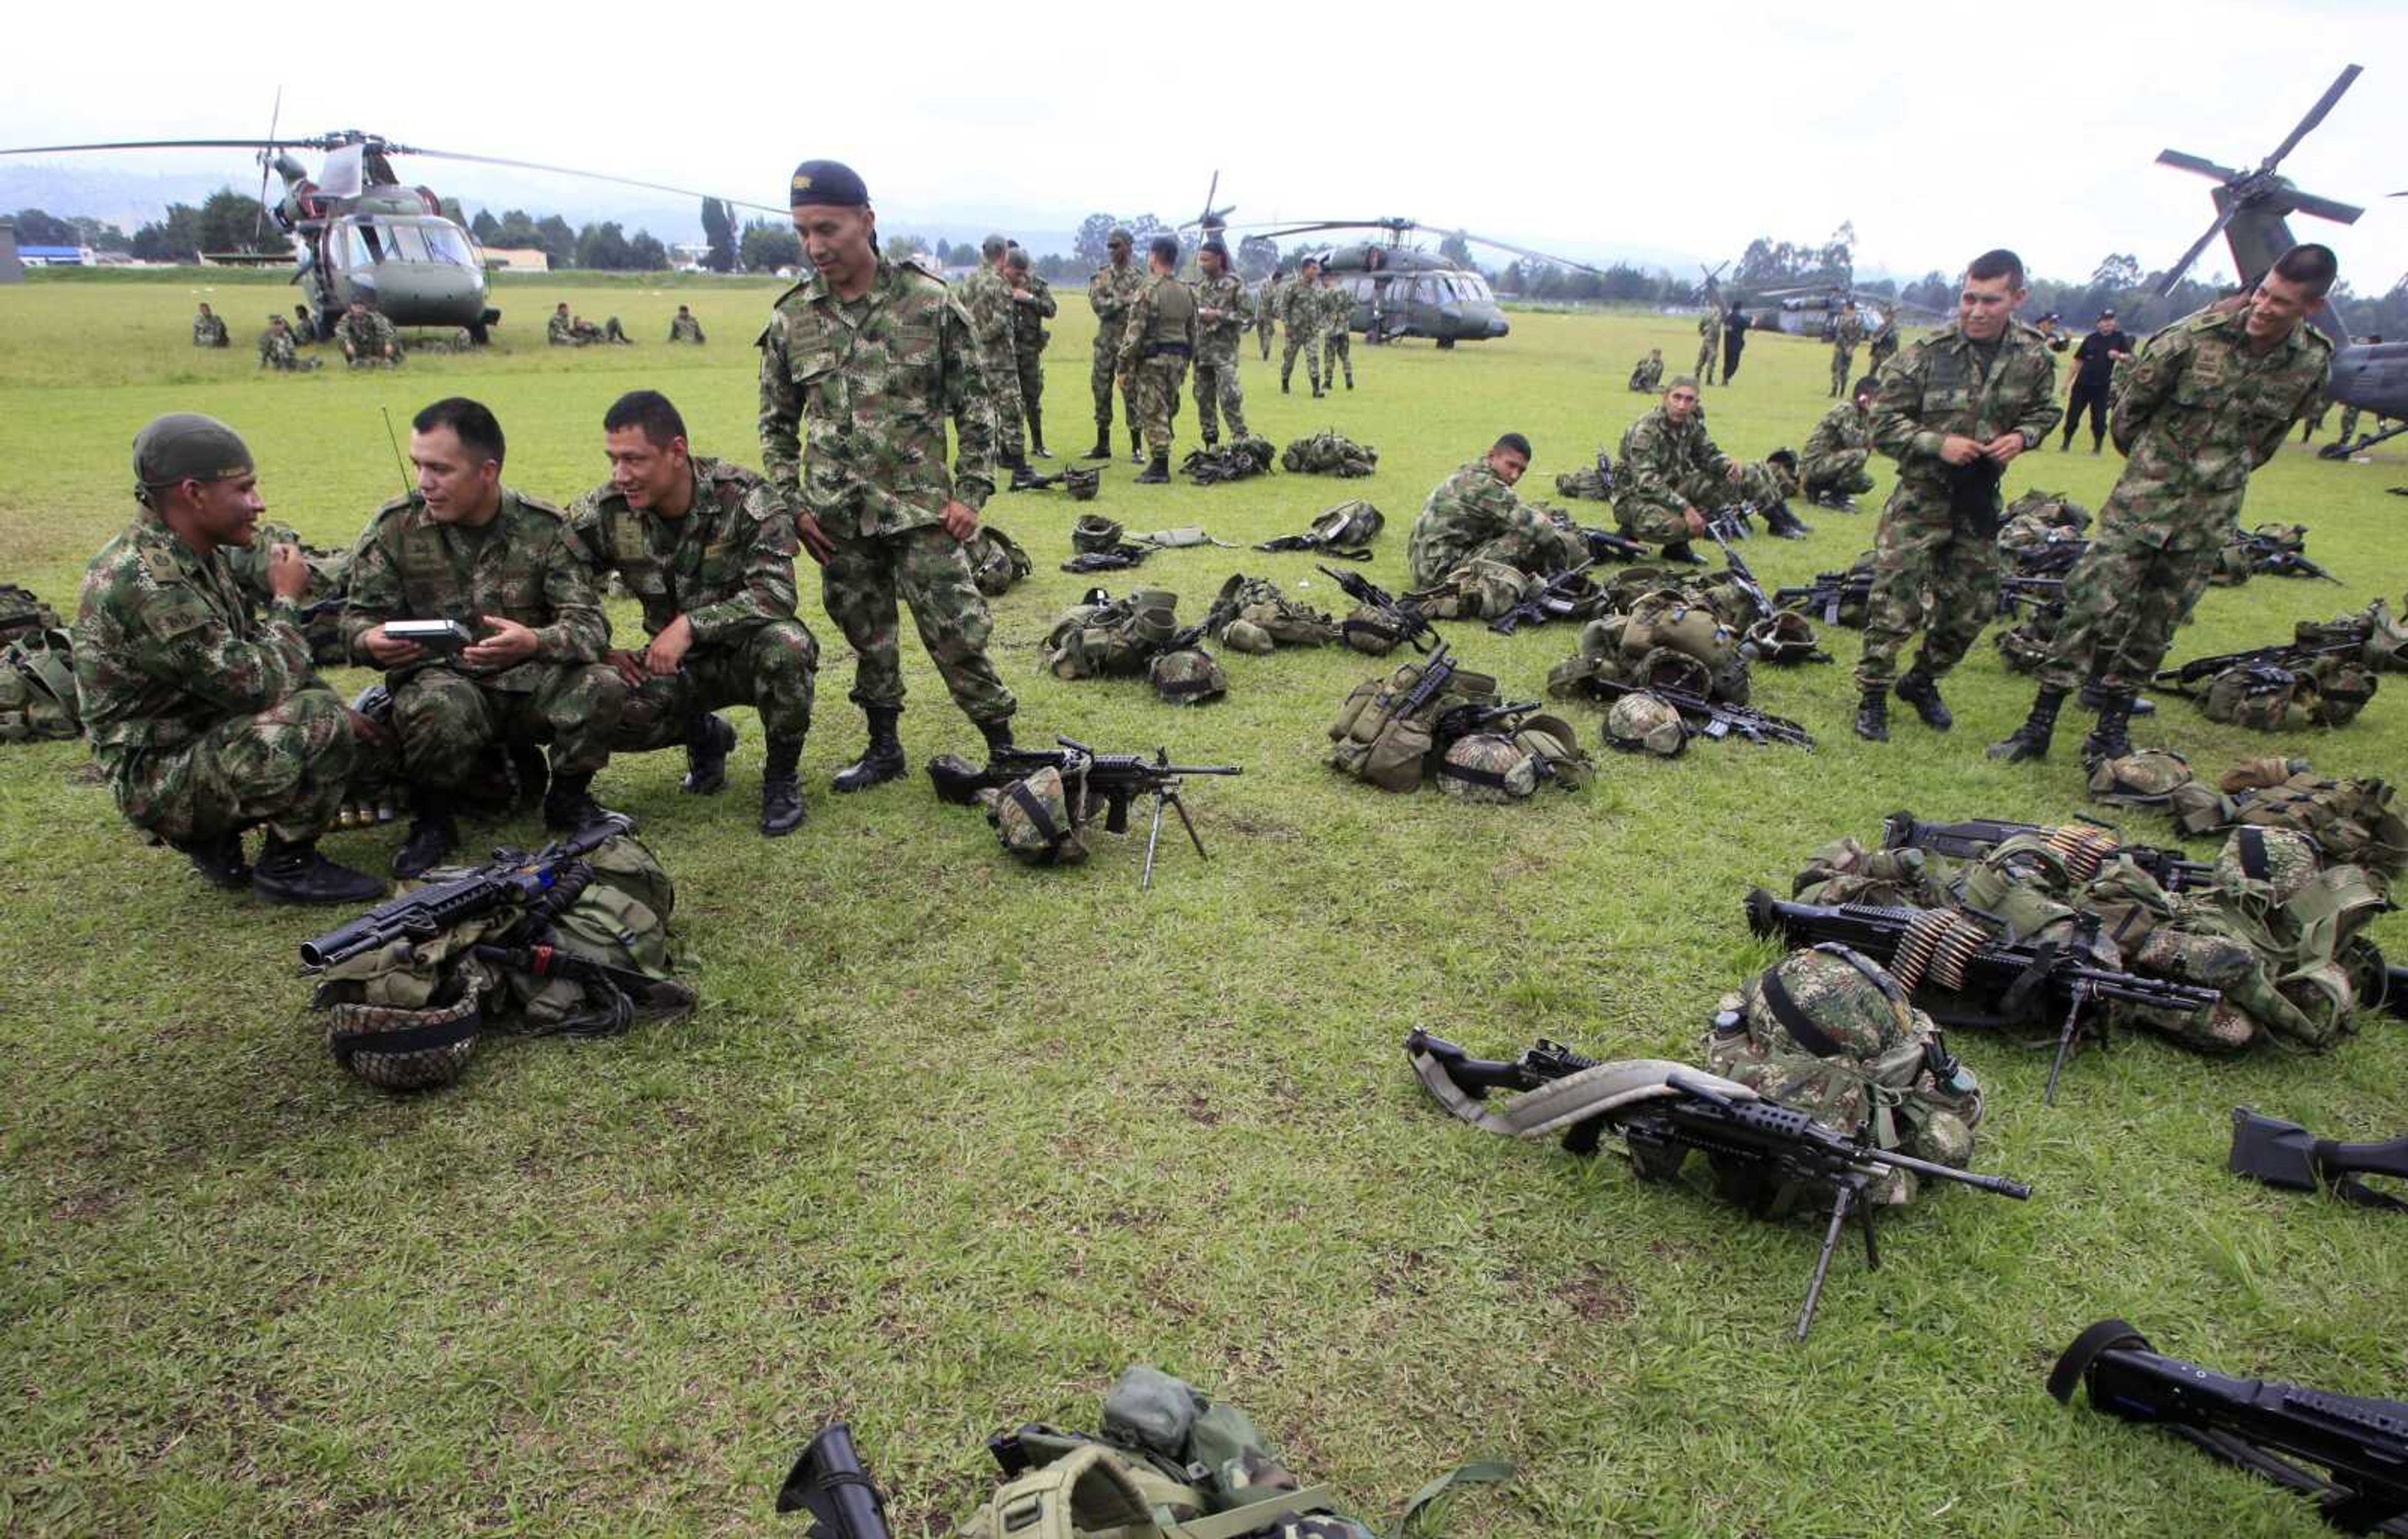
950, 1142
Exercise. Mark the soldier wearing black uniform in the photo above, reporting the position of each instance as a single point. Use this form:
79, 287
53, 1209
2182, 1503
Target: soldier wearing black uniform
2094, 367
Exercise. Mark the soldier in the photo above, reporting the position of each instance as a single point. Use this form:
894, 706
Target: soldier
1734, 342
987, 297
1223, 310
205, 721
1845, 334
869, 357
707, 548
1709, 342
366, 336
1032, 305
1671, 475
1108, 292
2052, 331
1474, 514
463, 546
1885, 339
305, 330
1954, 411
1833, 469
1338, 317
1647, 374
209, 327
275, 349
2209, 400
1157, 339
2094, 368
683, 327
560, 330
1301, 321
1267, 311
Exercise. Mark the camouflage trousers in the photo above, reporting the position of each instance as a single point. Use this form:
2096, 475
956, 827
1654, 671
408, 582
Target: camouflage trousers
772, 669
1541, 552
1156, 381
448, 722
1709, 351
1030, 368
1930, 575
1003, 389
1839, 474
926, 569
2125, 597
286, 767
1659, 522
1218, 395
1843, 368
2348, 424
1336, 351
1263, 335
1310, 346
1104, 376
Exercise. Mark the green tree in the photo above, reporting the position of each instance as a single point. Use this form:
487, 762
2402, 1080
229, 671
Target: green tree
1088, 246
646, 255
1258, 255
175, 239
768, 247
486, 228
101, 236
559, 242
896, 247
1456, 249
718, 232
235, 222
2117, 271
37, 228
603, 248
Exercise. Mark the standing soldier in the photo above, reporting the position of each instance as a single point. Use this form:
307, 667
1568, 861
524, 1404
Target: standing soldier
1266, 300
707, 548
1833, 469
1223, 310
1159, 339
1338, 315
1847, 333
683, 327
1734, 341
1885, 338
868, 357
1709, 342
2209, 400
204, 720
1108, 292
462, 547
366, 336
209, 327
1300, 304
1032, 305
1954, 411
987, 297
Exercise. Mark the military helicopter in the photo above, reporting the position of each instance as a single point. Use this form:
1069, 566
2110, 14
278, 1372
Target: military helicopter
358, 233
2253, 212
1402, 290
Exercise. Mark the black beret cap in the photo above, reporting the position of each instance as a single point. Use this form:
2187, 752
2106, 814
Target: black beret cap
831, 183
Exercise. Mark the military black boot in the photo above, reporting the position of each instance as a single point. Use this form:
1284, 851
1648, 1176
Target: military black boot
1679, 551
880, 763
296, 872
998, 734
1784, 525
569, 805
1036, 440
219, 861
2110, 738
1103, 449
1922, 692
708, 744
432, 835
1022, 477
1283, 385
1137, 447
1872, 715
2094, 697
2031, 739
1212, 441
1156, 471
782, 787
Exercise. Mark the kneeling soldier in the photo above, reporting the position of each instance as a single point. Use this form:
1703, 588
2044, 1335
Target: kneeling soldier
1474, 514
708, 551
205, 721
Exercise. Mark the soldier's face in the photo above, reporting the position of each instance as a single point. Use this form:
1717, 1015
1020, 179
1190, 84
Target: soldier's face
1680, 403
1210, 263
2276, 309
1984, 305
1507, 464
458, 487
227, 511
1120, 252
837, 241
646, 473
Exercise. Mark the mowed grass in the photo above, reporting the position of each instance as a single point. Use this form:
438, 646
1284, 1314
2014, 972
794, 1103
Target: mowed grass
950, 1142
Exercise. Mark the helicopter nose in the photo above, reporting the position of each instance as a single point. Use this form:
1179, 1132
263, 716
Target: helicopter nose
1499, 326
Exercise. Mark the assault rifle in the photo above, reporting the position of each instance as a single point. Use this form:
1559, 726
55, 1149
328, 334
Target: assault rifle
1828, 593
1603, 544
1738, 572
2285, 1154
2086, 845
1949, 958
1116, 778
2261, 1425
1404, 617
2274, 558
2016, 592
1463, 721
1714, 721
1562, 598
828, 1483
2291, 655
1730, 521
511, 880
2051, 558
1759, 1147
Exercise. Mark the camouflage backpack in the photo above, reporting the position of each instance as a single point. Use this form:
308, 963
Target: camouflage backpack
1346, 530
20, 612
2382, 640
1329, 452
38, 687
1251, 615
2325, 691
1845, 870
1242, 457
2350, 820
996, 561
1105, 637
1593, 482
1668, 617
1382, 735
2039, 517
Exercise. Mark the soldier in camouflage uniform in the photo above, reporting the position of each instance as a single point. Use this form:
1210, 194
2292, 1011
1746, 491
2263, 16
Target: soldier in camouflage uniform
209, 327
1670, 473
868, 357
2208, 400
707, 548
1709, 342
1474, 514
276, 349
987, 297
1952, 412
1885, 339
1833, 469
366, 336
1108, 293
1647, 374
462, 547
560, 331
684, 327
1847, 333
1338, 338
1157, 339
1032, 305
205, 721
1223, 310
1267, 311
305, 331
1301, 321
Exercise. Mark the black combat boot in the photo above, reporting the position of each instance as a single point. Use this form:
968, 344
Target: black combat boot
529, 774
880, 763
1103, 449
219, 861
1156, 471
569, 805
1212, 441
782, 787
708, 743
2110, 738
1922, 692
1872, 715
1784, 525
2094, 697
1283, 385
998, 733
1679, 551
432, 835
2030, 740
1317, 390
296, 872
1022, 477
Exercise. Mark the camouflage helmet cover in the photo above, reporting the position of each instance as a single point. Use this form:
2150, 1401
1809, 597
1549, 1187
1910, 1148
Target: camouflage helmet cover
1189, 677
1486, 767
1829, 1001
2279, 860
1646, 724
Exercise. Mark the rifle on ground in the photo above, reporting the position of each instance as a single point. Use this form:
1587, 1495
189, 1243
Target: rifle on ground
1738, 572
1405, 617
1712, 720
2265, 1426
2285, 1154
2274, 558
2050, 558
1463, 721
1948, 958
1562, 598
2290, 654
1828, 593
540, 881
1116, 778
828, 1483
2087, 847
1761, 1150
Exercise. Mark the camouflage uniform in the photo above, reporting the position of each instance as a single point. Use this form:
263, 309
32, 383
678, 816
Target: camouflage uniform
868, 380
2198, 413
1474, 514
560, 332
203, 720
1941, 387
1338, 338
2349, 415
1709, 344
209, 330
1833, 463
1885, 340
1845, 334
1110, 293
1648, 376
987, 296
1666, 468
523, 566
1267, 305
364, 336
727, 565
1157, 339
685, 327
277, 351
1028, 339
1217, 390
1302, 319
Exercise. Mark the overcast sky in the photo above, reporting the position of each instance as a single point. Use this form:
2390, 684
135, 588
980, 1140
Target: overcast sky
1938, 132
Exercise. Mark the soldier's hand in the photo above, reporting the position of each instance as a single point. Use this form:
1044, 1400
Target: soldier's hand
961, 519
508, 644
670, 647
288, 575
2005, 447
1696, 520
1735, 472
815, 541
626, 664
1958, 449
387, 651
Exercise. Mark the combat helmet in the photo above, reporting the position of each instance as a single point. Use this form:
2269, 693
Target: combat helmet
1189, 677
1485, 767
2272, 863
1037, 816
1646, 724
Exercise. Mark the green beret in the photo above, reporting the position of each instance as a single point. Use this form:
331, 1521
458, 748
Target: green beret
829, 184
185, 446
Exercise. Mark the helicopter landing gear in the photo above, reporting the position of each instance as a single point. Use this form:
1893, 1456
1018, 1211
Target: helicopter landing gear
480, 334
1446, 344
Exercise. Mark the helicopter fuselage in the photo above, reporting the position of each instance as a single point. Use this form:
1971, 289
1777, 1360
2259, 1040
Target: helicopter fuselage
1401, 292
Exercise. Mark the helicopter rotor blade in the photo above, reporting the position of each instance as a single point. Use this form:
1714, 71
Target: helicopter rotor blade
2340, 213
1535, 256
259, 225
159, 144
2316, 114
573, 171
2199, 163
2173, 274
1210, 192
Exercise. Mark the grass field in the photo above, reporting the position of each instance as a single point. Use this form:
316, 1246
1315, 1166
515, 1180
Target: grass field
950, 1142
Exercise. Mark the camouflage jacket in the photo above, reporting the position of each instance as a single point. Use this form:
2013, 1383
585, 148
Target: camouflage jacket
1110, 293
1843, 428
1660, 457
1647, 374
1336, 308
2196, 412
1299, 308
1163, 315
209, 330
370, 331
1710, 325
686, 328
1217, 340
1847, 332
987, 298
1028, 318
1267, 301
166, 647
522, 566
277, 351
727, 564
560, 331
854, 398
1467, 510
1937, 387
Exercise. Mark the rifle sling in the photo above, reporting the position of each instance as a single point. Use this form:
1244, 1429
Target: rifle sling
1595, 1091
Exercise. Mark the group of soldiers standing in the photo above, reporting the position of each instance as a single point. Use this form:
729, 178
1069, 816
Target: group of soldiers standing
1316, 317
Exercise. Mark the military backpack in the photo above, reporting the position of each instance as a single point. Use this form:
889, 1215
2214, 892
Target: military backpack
1346, 530
1105, 637
1329, 452
38, 687
1386, 733
21, 611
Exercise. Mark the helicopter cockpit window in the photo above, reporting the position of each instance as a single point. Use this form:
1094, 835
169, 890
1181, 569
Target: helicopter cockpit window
1476, 286
445, 243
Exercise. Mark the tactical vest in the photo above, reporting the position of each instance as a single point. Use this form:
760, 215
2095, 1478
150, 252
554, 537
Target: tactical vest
1381, 735
1105, 637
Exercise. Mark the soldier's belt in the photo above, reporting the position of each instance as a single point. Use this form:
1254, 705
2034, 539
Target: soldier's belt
1178, 350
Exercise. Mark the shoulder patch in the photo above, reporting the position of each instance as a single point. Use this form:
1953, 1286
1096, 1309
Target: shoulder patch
537, 504
396, 505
